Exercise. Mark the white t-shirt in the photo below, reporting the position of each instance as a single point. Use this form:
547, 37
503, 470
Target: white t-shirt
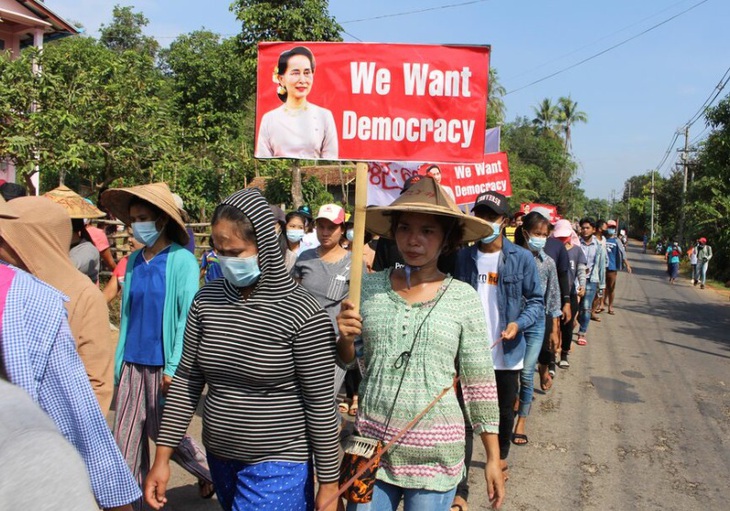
488, 268
309, 241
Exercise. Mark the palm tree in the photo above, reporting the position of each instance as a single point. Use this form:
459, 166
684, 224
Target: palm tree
546, 115
495, 103
568, 114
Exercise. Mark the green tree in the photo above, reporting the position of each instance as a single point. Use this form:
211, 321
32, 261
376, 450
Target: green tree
708, 193
540, 165
495, 104
92, 116
286, 20
546, 115
567, 115
125, 32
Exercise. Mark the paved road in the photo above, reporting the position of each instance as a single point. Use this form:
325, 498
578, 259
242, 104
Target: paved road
641, 420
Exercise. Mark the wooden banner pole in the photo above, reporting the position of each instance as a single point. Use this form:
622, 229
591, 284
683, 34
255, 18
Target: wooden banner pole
361, 202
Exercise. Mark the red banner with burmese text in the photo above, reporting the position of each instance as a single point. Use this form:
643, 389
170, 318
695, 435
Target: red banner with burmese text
463, 182
371, 102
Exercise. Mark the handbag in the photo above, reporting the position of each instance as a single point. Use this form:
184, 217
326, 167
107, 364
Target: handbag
362, 455
360, 452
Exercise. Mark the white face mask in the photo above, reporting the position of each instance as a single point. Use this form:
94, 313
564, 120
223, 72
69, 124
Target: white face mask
145, 232
497, 230
240, 271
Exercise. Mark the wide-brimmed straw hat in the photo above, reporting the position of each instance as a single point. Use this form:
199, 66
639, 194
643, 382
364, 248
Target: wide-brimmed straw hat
425, 196
117, 200
75, 204
6, 211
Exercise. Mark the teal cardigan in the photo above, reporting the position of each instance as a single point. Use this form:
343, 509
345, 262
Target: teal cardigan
181, 284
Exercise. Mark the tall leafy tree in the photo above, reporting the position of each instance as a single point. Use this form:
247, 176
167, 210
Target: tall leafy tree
546, 115
100, 115
285, 20
495, 104
568, 115
708, 193
125, 32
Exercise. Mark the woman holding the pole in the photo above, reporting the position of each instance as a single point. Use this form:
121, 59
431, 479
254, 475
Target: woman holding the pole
420, 329
265, 348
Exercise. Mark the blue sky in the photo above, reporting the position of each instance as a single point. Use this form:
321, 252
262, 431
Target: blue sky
636, 96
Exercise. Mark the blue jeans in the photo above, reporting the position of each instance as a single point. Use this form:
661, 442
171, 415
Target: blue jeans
534, 337
586, 305
386, 497
701, 272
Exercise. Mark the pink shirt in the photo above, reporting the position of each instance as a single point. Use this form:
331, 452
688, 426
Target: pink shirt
98, 238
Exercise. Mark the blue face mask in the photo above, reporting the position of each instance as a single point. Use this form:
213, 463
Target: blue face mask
295, 235
497, 228
536, 244
350, 234
240, 271
146, 233
611, 231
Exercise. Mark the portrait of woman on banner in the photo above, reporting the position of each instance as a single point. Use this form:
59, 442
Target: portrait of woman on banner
297, 128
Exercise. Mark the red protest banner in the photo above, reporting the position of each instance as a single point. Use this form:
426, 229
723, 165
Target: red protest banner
465, 181
362, 101
462, 182
547, 210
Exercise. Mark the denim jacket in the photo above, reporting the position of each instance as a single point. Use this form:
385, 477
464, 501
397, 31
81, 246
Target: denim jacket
520, 297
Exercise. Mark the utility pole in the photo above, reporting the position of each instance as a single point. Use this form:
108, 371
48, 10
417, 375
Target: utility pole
685, 165
628, 211
651, 237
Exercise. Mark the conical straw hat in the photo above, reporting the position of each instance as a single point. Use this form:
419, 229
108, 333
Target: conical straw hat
75, 204
117, 200
6, 211
425, 196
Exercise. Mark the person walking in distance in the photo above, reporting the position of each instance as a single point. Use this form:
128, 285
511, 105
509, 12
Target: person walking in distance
617, 260
599, 233
508, 283
673, 256
596, 268
704, 254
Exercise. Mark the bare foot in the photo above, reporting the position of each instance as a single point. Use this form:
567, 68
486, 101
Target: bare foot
459, 504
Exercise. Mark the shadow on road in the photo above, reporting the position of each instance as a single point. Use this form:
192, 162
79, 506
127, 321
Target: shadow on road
615, 390
702, 319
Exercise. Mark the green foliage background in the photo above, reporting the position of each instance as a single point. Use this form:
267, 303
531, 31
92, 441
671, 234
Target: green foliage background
119, 110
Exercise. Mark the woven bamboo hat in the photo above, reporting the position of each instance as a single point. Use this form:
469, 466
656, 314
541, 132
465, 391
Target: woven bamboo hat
117, 200
6, 211
75, 204
425, 196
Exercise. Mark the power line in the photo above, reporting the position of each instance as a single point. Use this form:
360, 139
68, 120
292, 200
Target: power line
668, 152
708, 102
596, 41
353, 36
716, 91
418, 11
700, 136
608, 49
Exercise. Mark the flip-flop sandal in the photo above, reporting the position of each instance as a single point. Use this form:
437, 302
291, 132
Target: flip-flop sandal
201, 487
595, 318
518, 436
612, 312
581, 341
457, 507
343, 407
